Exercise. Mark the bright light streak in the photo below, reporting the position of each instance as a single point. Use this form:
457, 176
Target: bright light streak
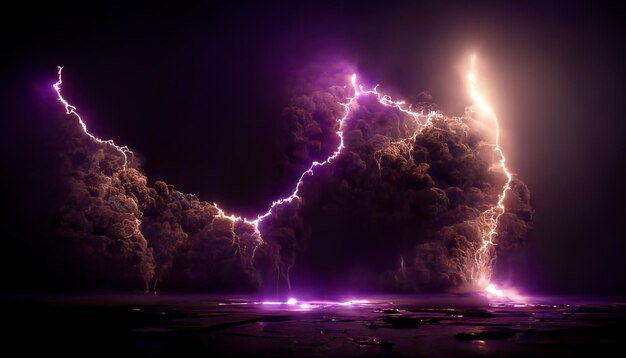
421, 119
69, 109
123, 150
273, 303
293, 302
484, 256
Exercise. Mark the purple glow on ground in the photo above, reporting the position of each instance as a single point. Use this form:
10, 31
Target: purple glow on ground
294, 303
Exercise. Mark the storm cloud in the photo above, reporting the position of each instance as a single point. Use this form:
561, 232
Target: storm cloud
397, 210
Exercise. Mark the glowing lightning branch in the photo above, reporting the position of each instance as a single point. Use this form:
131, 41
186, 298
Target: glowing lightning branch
123, 150
255, 223
420, 119
69, 109
484, 256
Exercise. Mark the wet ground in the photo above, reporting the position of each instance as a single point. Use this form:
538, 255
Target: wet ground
205, 325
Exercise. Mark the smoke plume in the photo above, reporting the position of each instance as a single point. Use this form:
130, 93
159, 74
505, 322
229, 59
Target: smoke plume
398, 210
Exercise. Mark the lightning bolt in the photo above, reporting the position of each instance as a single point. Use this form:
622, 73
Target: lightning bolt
484, 255
359, 91
480, 272
71, 110
124, 151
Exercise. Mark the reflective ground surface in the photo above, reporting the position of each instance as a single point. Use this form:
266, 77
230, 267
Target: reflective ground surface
209, 325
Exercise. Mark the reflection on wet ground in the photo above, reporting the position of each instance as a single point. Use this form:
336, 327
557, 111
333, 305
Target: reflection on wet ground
431, 325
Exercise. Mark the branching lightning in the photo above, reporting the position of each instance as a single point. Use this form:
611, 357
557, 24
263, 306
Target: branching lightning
421, 119
480, 270
69, 109
123, 150
484, 256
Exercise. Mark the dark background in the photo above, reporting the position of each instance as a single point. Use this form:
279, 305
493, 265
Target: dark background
198, 90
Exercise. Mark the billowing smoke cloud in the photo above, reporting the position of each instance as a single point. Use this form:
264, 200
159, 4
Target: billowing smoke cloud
397, 210
120, 232
99, 225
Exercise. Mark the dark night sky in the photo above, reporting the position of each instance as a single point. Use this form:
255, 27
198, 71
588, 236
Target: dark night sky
197, 90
